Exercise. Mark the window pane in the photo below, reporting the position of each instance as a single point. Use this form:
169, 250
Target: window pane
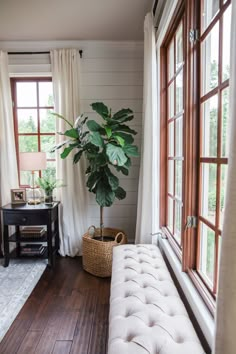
179, 47
178, 216
171, 95
209, 131
170, 214
179, 137
171, 58
171, 177
210, 54
208, 195
45, 94
171, 139
209, 10
207, 259
47, 121
223, 180
27, 120
28, 143
47, 143
179, 92
226, 43
178, 179
26, 94
225, 120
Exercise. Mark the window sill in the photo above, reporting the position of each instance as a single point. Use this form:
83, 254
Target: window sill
199, 308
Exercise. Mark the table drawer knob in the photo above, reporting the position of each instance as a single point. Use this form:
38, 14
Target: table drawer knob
24, 219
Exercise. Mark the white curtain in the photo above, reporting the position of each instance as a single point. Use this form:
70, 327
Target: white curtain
226, 301
8, 164
73, 219
147, 212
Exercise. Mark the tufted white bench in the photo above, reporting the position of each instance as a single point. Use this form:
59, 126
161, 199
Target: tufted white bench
147, 315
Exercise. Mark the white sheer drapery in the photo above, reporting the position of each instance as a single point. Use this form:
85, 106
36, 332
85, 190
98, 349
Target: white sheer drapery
8, 164
226, 299
73, 219
147, 212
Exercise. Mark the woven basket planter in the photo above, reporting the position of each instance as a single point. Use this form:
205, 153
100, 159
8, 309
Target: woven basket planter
97, 255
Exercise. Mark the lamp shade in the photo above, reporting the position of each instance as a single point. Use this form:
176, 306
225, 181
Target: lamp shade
32, 161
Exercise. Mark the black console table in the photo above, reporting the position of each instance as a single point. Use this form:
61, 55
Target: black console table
31, 215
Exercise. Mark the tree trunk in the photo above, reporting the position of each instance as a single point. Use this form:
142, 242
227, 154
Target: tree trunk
101, 222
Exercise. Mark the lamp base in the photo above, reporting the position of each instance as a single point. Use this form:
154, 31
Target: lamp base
33, 196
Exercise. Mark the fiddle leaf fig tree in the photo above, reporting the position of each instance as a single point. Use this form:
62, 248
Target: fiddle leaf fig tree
107, 146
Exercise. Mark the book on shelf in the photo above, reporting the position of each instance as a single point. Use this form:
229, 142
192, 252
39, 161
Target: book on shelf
33, 249
32, 231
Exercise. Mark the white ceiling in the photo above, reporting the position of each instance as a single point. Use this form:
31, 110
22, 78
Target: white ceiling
72, 19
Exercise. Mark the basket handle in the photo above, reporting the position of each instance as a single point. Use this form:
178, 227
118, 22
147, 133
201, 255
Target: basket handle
120, 238
91, 230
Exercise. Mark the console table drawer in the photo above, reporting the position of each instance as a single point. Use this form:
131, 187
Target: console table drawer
24, 218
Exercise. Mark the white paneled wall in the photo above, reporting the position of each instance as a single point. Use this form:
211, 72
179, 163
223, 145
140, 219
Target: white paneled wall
111, 72
116, 78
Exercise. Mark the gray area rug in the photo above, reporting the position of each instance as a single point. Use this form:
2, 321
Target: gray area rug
16, 284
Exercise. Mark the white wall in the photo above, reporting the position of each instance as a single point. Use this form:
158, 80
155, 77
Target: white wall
111, 72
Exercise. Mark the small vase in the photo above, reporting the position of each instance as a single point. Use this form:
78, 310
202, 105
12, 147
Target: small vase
48, 198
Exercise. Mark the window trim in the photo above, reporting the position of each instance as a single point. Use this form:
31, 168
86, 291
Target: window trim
13, 82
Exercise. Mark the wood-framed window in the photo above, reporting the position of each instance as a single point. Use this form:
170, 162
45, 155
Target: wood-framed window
205, 109
214, 109
34, 125
175, 124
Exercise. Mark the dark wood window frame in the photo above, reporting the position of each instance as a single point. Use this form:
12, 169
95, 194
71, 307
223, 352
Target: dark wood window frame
39, 134
189, 255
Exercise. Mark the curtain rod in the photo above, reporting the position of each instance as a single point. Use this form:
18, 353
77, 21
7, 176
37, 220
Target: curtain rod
19, 53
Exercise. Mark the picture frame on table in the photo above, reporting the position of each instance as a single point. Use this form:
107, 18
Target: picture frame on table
18, 196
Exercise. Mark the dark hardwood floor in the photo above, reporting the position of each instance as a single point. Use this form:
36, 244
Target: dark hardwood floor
67, 313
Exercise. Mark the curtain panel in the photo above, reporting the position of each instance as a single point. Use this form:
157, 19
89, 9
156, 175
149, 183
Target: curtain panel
147, 211
8, 163
74, 199
226, 299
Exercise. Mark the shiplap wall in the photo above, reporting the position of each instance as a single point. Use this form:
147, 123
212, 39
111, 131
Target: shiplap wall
111, 72
115, 76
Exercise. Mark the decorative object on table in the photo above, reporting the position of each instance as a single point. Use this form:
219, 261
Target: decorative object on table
106, 146
18, 196
33, 161
48, 184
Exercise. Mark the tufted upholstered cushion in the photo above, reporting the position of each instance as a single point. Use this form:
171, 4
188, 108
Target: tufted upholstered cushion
147, 315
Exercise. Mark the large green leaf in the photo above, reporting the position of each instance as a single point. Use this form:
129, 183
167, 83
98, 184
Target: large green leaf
92, 181
108, 131
96, 139
120, 193
104, 195
72, 133
122, 169
66, 152
131, 150
101, 109
120, 140
124, 115
112, 179
127, 137
124, 128
93, 126
116, 155
77, 156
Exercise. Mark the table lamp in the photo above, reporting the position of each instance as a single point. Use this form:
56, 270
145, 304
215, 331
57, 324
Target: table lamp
33, 161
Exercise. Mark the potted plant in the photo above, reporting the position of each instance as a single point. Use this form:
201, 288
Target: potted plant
108, 148
48, 183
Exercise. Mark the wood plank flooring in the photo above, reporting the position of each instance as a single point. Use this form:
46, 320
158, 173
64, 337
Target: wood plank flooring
67, 313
